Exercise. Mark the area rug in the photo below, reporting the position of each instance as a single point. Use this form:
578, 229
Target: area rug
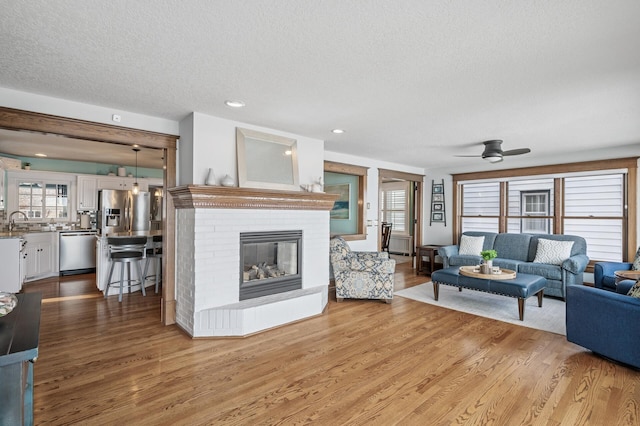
551, 317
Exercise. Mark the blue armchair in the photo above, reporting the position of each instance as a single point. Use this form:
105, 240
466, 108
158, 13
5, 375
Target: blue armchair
361, 275
605, 322
603, 274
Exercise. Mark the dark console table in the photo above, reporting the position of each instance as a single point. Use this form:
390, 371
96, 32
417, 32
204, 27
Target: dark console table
429, 265
19, 331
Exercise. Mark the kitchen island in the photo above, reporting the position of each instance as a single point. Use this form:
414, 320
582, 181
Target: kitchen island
103, 261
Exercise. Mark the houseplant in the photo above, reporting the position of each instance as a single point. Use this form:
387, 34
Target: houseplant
488, 256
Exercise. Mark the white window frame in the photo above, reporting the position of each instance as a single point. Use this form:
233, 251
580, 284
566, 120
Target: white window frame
397, 186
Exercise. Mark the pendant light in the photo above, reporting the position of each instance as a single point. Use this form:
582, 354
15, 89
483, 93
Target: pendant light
136, 188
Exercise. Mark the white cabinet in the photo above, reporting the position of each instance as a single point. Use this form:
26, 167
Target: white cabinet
41, 255
124, 183
10, 265
87, 193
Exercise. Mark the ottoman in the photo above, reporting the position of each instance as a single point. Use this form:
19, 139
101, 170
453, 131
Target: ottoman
521, 287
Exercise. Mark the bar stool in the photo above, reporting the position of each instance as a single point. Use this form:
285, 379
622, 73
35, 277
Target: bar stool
154, 252
125, 251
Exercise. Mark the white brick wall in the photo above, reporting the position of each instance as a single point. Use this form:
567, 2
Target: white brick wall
208, 272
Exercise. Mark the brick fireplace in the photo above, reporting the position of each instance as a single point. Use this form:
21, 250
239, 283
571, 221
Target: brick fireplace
209, 224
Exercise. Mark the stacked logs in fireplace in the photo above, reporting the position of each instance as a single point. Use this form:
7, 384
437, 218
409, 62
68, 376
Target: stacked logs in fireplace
262, 271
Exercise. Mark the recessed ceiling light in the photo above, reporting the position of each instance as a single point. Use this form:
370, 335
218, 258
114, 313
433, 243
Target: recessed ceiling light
234, 104
338, 131
39, 154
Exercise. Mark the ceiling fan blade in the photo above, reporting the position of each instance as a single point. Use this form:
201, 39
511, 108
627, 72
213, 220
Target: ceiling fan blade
476, 156
519, 151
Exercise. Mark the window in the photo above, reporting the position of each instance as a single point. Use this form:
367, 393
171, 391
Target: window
41, 196
594, 209
43, 201
590, 201
534, 204
481, 206
395, 206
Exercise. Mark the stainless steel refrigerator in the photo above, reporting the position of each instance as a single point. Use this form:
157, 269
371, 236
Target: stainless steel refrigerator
123, 211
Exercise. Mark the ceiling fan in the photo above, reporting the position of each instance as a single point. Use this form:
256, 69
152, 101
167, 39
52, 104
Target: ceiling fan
493, 152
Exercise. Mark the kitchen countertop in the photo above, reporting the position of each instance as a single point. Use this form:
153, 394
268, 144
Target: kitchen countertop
14, 234
135, 234
22, 233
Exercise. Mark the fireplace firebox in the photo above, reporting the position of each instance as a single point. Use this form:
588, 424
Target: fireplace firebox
270, 263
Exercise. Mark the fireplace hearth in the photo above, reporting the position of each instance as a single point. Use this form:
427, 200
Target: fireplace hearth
270, 263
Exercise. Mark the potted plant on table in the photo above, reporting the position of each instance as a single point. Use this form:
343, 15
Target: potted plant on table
488, 256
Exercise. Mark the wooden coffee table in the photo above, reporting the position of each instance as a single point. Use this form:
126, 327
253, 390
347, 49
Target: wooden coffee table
627, 275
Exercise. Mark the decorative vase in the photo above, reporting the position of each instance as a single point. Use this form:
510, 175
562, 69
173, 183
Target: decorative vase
227, 181
486, 267
211, 178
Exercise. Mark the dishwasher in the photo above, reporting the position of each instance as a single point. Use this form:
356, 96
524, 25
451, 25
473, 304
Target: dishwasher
77, 252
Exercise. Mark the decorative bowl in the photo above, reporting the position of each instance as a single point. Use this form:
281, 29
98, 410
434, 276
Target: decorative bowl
8, 301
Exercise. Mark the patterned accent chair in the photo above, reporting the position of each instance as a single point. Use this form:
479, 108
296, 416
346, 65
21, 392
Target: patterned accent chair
361, 275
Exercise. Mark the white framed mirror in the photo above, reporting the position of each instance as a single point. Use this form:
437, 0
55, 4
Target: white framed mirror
266, 161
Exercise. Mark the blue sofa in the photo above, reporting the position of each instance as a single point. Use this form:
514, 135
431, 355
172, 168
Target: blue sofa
605, 322
603, 274
517, 252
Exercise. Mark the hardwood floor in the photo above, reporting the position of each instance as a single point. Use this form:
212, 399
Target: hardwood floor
362, 362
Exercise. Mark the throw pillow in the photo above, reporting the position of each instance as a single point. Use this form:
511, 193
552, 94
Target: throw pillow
471, 245
553, 252
636, 261
635, 290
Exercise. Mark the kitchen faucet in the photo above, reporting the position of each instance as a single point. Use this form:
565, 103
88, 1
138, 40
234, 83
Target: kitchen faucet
12, 222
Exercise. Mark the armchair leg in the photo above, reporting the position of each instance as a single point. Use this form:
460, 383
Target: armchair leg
339, 299
388, 301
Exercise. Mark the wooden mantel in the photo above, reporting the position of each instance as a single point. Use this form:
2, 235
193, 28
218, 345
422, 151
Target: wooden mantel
220, 197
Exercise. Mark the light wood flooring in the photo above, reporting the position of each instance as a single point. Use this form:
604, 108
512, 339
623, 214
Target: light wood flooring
362, 362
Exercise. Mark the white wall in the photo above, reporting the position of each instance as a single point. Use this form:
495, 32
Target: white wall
213, 145
437, 232
64, 108
372, 195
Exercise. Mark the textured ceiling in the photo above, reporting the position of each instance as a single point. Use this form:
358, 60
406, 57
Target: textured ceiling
411, 82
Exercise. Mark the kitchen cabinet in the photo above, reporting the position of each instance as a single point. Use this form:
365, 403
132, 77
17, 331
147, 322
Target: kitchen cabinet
87, 193
41, 255
124, 183
11, 264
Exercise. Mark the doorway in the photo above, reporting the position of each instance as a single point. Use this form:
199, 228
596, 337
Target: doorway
400, 205
13, 119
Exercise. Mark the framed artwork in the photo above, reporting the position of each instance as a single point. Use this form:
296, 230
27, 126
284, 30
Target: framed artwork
437, 217
438, 206
438, 188
266, 161
341, 206
438, 198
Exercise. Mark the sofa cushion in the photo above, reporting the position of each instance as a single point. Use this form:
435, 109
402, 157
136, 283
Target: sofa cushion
513, 246
636, 261
550, 272
507, 263
635, 290
458, 260
552, 252
470, 245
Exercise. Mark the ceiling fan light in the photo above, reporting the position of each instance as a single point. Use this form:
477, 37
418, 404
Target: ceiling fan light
493, 158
